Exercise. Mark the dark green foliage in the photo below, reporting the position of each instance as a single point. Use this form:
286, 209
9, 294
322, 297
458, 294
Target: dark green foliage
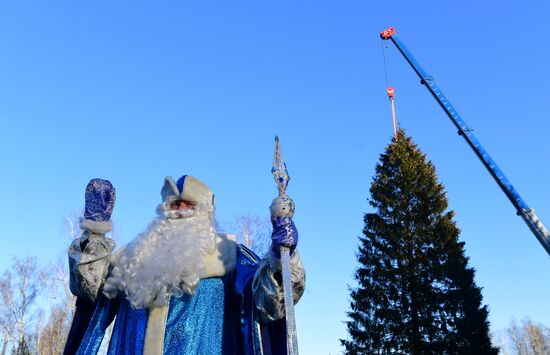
416, 293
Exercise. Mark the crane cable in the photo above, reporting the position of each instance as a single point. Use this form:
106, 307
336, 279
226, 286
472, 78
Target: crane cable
390, 90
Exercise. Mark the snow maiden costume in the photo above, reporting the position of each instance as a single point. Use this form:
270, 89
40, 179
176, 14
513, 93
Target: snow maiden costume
180, 287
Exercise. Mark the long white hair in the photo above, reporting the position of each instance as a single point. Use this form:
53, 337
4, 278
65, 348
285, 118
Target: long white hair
166, 260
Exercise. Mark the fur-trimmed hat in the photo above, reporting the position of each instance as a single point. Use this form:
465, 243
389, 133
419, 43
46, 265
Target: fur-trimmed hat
187, 188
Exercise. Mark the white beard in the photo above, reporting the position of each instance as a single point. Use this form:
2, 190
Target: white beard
166, 260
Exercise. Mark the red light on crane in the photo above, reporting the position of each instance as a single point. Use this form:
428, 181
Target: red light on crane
391, 93
387, 33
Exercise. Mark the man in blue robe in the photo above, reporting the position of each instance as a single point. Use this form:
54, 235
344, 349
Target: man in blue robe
180, 287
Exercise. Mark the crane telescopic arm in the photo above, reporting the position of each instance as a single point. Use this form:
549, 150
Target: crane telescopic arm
523, 210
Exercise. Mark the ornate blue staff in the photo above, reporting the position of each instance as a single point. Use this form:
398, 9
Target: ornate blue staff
283, 206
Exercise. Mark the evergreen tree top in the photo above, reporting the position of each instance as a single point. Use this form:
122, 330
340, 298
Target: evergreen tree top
416, 293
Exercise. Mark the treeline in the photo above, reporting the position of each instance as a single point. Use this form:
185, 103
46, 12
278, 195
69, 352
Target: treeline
36, 308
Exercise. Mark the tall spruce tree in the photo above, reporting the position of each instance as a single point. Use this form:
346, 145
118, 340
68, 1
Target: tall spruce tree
416, 293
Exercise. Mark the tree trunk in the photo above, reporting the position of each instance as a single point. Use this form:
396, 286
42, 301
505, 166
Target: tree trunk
5, 345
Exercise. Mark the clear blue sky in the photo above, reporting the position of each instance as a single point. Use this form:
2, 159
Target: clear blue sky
133, 91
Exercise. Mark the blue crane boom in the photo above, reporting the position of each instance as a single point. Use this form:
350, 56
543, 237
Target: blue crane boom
523, 210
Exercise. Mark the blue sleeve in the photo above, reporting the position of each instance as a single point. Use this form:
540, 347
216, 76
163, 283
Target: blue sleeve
104, 313
257, 338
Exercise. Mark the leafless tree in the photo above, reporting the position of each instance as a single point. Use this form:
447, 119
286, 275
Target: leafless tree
499, 338
517, 338
253, 232
55, 279
6, 328
524, 338
53, 334
71, 224
538, 337
18, 294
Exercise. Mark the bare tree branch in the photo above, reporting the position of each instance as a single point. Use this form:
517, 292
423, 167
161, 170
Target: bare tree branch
525, 338
253, 232
18, 294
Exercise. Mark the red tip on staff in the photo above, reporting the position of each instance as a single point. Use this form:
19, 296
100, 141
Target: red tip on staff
391, 93
387, 33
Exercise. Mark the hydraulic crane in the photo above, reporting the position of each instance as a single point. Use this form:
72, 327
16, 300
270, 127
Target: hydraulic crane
523, 210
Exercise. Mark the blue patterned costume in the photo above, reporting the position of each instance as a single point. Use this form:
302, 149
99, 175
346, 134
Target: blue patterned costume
219, 319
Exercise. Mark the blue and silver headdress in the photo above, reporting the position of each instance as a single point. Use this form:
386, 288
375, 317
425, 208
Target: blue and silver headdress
187, 188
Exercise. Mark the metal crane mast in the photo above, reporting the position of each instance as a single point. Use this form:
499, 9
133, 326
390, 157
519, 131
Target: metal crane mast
523, 210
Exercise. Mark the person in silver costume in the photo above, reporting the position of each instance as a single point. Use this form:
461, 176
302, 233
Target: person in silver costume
180, 287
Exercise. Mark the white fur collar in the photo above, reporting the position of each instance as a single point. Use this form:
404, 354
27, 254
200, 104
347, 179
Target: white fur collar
96, 227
